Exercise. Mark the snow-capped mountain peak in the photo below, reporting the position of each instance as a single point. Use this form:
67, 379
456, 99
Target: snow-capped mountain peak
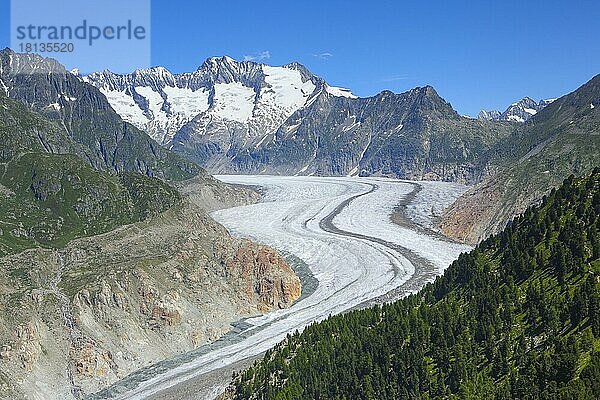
222, 92
519, 111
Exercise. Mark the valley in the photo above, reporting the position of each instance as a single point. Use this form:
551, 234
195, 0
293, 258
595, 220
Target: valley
341, 229
315, 201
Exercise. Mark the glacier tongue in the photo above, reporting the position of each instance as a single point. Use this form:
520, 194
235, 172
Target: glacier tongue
341, 229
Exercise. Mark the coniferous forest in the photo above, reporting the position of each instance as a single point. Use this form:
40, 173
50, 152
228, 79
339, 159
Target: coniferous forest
516, 318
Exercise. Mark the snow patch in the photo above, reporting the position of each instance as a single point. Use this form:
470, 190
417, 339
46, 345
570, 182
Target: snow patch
312, 99
303, 169
4, 87
354, 171
285, 88
353, 125
515, 118
530, 111
187, 102
155, 100
233, 101
292, 127
340, 92
261, 141
124, 105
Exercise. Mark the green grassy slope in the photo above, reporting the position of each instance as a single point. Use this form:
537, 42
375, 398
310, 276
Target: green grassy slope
518, 317
47, 199
85, 115
562, 139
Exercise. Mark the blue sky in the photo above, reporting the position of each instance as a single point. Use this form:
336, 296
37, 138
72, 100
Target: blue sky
477, 54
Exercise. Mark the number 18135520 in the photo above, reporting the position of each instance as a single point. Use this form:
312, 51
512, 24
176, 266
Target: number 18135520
47, 47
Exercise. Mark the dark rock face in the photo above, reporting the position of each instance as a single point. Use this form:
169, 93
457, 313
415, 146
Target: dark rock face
85, 114
414, 135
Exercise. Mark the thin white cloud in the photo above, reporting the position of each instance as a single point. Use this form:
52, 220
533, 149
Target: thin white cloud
395, 78
323, 56
263, 55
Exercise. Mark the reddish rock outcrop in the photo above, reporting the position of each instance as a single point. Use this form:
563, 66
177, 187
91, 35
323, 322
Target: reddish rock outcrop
262, 273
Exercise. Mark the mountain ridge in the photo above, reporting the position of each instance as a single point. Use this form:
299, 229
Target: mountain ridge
197, 89
248, 109
412, 135
44, 85
561, 139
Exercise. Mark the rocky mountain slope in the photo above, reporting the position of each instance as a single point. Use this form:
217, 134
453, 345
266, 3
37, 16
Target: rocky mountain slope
246, 117
87, 117
104, 268
562, 139
413, 135
78, 318
520, 111
50, 196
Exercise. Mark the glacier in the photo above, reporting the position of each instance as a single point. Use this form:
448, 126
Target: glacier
340, 227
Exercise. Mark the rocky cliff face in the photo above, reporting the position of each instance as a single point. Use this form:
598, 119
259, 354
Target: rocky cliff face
250, 118
560, 140
87, 118
76, 319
